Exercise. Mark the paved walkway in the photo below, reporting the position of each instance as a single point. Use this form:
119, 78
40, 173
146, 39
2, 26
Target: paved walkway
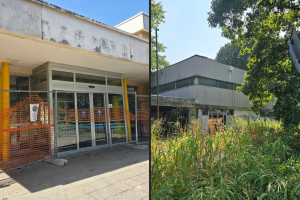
114, 173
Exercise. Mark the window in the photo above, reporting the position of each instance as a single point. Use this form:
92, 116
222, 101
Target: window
169, 86
204, 111
207, 82
83, 78
184, 82
114, 81
161, 88
131, 89
225, 85
41, 77
154, 90
62, 76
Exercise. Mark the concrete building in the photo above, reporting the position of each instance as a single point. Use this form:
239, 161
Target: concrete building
206, 88
45, 47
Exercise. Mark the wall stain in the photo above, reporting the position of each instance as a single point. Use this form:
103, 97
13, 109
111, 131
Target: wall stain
64, 42
124, 51
2, 4
52, 40
104, 44
63, 31
79, 45
113, 45
94, 40
98, 49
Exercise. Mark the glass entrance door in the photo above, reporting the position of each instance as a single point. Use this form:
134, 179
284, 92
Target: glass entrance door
117, 123
84, 120
99, 112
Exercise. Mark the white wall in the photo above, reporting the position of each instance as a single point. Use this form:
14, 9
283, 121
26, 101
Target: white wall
36, 20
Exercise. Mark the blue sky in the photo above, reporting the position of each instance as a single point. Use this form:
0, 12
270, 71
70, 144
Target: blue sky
186, 31
110, 12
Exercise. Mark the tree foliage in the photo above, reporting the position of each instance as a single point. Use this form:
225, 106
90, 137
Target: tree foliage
157, 17
229, 54
271, 74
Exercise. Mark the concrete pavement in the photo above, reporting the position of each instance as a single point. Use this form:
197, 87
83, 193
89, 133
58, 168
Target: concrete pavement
113, 173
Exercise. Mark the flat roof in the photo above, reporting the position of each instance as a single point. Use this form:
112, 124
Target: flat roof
127, 20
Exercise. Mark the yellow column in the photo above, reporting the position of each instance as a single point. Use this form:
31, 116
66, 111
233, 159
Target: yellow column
1, 113
127, 110
6, 106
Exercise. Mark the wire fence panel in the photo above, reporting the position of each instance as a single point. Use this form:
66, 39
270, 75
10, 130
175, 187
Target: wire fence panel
26, 130
143, 119
35, 125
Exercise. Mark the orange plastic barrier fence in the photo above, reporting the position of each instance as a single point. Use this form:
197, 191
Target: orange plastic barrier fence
26, 133
98, 114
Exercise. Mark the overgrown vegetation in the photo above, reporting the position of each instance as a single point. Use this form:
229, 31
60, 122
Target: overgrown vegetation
247, 159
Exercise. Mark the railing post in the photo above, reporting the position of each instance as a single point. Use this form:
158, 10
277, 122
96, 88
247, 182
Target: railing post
55, 126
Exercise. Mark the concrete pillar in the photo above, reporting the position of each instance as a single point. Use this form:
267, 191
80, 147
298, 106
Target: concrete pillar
127, 110
5, 107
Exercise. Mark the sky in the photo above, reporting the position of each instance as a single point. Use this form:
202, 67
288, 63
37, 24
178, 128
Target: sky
110, 12
186, 31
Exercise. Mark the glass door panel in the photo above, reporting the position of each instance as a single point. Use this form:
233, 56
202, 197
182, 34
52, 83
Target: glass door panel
84, 120
66, 126
99, 116
117, 123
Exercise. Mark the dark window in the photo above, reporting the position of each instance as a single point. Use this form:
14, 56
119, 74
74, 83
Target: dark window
62, 76
154, 90
169, 86
184, 82
83, 78
207, 82
225, 85
205, 111
38, 78
114, 81
161, 88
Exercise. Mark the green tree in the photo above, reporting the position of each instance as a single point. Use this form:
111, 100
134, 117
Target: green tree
229, 54
271, 74
157, 17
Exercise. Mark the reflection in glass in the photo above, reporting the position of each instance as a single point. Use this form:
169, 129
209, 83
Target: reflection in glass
84, 120
66, 126
62, 76
117, 125
114, 81
99, 115
83, 78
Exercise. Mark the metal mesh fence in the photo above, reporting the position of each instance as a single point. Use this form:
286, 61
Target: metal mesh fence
38, 125
26, 131
143, 125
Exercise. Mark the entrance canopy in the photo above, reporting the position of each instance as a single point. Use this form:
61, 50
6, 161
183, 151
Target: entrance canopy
26, 53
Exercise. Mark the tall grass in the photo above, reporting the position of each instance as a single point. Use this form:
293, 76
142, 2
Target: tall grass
244, 161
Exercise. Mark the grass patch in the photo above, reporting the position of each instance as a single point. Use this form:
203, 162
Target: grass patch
245, 160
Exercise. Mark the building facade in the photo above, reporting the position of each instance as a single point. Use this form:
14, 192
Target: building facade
212, 86
44, 47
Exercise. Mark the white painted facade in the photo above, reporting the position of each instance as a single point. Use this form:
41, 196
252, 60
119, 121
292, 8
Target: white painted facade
136, 23
45, 21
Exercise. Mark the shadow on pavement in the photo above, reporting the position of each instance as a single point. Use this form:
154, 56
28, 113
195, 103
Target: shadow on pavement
43, 175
